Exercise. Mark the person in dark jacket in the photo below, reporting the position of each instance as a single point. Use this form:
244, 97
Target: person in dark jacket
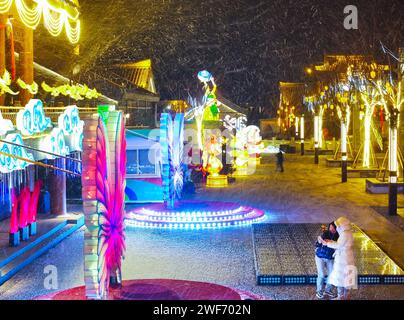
325, 261
279, 160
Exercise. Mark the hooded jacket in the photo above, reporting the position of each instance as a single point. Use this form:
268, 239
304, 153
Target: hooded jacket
344, 255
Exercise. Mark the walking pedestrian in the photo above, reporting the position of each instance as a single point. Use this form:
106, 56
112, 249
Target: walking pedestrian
325, 261
279, 161
343, 275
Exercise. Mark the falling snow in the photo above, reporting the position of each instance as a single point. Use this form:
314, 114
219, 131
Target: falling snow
249, 45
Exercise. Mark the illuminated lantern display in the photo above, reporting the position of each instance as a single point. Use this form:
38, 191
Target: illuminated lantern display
57, 15
74, 91
14, 239
247, 148
32, 88
240, 153
9, 164
238, 142
103, 179
5, 82
255, 146
55, 143
237, 124
31, 119
208, 109
172, 154
71, 125
212, 163
195, 215
24, 200
5, 125
33, 208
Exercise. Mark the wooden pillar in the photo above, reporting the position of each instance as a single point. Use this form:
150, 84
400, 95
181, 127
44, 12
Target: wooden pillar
57, 189
2, 52
26, 67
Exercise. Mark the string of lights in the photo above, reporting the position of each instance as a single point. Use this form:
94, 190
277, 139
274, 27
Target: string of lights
56, 16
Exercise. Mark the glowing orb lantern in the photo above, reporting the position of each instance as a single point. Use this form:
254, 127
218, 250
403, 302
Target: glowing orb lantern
204, 76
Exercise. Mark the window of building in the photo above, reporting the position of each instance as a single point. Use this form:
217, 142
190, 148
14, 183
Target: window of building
141, 163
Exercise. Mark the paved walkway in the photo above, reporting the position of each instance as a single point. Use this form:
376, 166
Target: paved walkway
305, 193
309, 193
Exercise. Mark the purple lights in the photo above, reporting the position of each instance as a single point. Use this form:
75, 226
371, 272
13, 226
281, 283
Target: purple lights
193, 215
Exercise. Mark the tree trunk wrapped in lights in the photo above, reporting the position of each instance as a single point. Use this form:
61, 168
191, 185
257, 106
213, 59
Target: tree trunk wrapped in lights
344, 114
368, 96
344, 98
315, 105
390, 96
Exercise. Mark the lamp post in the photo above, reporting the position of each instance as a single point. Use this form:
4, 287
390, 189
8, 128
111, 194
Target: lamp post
343, 99
302, 135
393, 165
316, 137
344, 156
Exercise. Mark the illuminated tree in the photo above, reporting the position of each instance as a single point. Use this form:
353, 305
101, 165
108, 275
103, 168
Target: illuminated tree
368, 95
344, 99
316, 105
390, 97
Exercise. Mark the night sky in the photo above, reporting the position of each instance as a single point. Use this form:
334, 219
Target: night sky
248, 45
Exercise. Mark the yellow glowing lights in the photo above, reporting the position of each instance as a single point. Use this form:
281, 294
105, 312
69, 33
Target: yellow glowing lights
31, 88
5, 83
390, 97
302, 128
369, 99
56, 15
76, 92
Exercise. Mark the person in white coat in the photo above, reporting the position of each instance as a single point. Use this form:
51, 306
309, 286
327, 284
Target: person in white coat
343, 275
